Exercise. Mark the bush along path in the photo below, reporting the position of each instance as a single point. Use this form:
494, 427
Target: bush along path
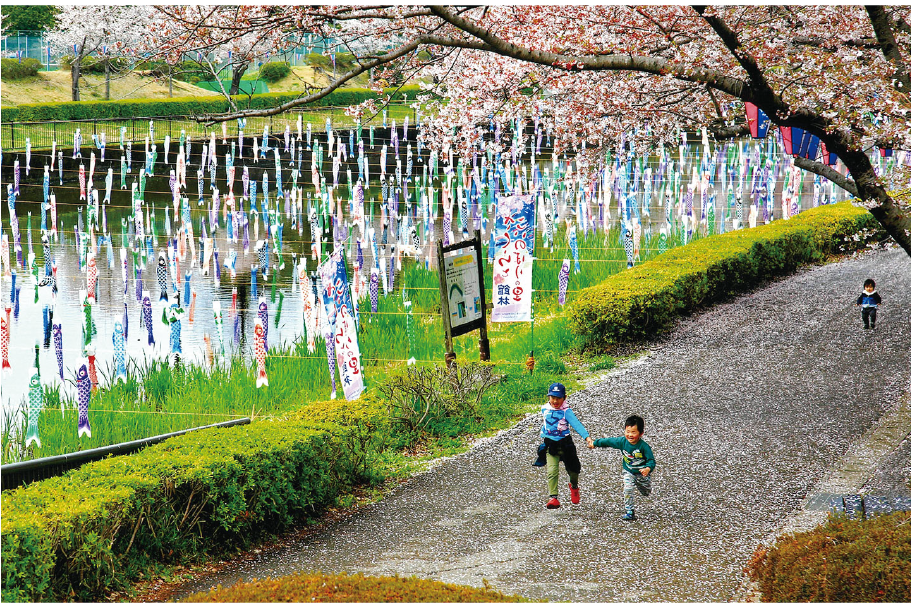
746, 406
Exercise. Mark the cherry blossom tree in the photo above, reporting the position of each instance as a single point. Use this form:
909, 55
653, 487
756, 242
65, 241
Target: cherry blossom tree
235, 52
89, 29
592, 73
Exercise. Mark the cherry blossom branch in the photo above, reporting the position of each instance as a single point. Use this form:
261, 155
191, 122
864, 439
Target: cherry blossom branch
758, 82
891, 51
613, 62
402, 51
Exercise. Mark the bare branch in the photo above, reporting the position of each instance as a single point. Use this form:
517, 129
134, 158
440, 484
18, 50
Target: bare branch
722, 132
827, 172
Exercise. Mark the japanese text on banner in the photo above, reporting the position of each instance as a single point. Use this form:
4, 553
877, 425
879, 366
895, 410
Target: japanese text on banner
514, 243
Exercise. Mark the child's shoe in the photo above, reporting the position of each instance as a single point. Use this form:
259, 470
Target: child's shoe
629, 516
553, 503
574, 494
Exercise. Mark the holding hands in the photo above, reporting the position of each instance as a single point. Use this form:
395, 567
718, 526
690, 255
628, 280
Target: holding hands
590, 443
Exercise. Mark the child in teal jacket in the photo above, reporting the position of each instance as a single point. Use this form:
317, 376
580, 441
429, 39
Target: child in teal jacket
638, 461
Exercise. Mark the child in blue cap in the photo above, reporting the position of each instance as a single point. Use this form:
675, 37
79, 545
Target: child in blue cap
558, 444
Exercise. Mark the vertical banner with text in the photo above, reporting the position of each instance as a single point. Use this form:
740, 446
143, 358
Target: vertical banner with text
339, 309
514, 242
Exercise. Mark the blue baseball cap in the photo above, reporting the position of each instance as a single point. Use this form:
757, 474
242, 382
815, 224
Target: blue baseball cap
557, 390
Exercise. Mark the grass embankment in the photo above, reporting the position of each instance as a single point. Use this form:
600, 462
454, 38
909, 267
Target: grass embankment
56, 86
105, 525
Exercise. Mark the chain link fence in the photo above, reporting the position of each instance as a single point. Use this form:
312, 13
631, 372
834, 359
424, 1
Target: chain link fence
22, 44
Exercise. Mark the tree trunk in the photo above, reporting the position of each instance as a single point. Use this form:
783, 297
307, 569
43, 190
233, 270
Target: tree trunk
107, 78
894, 219
74, 76
236, 74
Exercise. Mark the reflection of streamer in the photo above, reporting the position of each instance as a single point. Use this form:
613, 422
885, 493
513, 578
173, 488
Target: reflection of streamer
5, 337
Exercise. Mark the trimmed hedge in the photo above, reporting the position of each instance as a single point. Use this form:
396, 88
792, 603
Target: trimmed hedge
185, 106
9, 114
13, 69
96, 529
644, 301
840, 561
317, 587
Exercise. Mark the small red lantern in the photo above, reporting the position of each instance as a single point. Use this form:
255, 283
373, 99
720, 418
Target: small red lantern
757, 120
786, 139
828, 158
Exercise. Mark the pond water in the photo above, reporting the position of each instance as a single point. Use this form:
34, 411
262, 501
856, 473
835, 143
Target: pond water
117, 301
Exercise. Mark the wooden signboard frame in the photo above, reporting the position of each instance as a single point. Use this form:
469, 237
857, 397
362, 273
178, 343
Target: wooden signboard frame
479, 323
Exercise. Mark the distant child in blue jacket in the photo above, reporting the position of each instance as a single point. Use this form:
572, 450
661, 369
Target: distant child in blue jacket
869, 300
638, 461
558, 444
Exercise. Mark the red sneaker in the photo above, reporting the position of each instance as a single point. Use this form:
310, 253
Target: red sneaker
574, 494
553, 503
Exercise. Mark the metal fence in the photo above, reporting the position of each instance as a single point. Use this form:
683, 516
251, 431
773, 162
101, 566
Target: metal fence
24, 44
42, 135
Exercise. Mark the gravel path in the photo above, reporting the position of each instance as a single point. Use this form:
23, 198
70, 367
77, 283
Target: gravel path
747, 406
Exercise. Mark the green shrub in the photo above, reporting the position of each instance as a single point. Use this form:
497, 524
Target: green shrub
274, 71
192, 72
839, 561
345, 61
320, 61
13, 69
420, 396
189, 106
639, 303
95, 65
95, 529
317, 587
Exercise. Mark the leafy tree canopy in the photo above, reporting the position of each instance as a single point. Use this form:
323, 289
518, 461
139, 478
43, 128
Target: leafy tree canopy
28, 17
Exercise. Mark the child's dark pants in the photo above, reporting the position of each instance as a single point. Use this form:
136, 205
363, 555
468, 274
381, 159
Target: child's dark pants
868, 314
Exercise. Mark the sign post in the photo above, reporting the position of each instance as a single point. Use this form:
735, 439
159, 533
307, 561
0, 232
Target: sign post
462, 302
